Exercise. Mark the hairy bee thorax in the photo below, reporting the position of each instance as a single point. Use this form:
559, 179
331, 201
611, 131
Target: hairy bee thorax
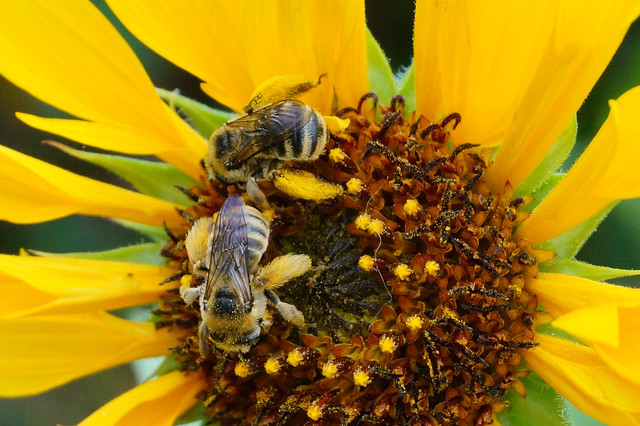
415, 310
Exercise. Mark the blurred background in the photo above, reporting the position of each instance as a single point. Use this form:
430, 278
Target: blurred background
616, 243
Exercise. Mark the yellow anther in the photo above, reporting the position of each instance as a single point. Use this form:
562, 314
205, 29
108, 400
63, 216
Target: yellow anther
431, 267
361, 378
314, 412
354, 186
242, 369
329, 370
412, 208
402, 271
294, 358
414, 323
387, 345
337, 155
362, 221
272, 366
366, 262
375, 227
185, 280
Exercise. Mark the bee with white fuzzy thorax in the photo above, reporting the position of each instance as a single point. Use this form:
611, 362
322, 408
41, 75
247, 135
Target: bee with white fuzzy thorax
233, 298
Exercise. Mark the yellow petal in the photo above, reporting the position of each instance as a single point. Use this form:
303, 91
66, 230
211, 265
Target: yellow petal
624, 358
594, 324
34, 191
235, 46
560, 294
71, 57
576, 372
516, 72
158, 402
42, 352
603, 174
45, 285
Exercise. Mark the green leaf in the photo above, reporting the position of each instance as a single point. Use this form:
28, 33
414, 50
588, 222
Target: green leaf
552, 161
586, 270
381, 80
203, 118
153, 178
154, 233
407, 88
542, 406
568, 244
147, 253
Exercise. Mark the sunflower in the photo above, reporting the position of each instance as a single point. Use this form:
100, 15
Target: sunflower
443, 286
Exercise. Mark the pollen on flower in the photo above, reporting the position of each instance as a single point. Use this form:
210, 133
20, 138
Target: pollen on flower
272, 366
431, 267
366, 262
337, 155
294, 358
362, 222
412, 208
242, 370
354, 186
361, 378
329, 370
402, 271
375, 227
414, 323
387, 345
314, 412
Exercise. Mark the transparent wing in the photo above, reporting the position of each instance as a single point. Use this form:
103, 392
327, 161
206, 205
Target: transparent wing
266, 128
229, 251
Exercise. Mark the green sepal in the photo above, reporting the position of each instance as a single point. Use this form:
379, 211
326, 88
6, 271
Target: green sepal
543, 190
405, 81
154, 233
195, 416
567, 245
552, 161
586, 270
542, 405
381, 81
147, 253
577, 417
153, 178
203, 118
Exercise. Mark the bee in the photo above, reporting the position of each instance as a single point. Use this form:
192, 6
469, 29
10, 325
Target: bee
235, 291
254, 144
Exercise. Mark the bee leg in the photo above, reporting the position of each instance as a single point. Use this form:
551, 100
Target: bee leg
257, 196
189, 294
203, 334
289, 312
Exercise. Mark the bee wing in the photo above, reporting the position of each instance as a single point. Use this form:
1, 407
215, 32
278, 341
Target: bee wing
271, 126
229, 250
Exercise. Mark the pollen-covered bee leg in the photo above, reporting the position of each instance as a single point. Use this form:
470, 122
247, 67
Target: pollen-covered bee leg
189, 294
289, 312
282, 269
203, 335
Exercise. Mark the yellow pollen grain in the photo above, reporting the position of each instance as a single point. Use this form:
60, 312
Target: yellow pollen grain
366, 262
414, 323
269, 214
402, 271
361, 378
336, 125
337, 155
412, 208
271, 366
375, 227
242, 369
431, 267
185, 280
362, 222
294, 358
387, 345
305, 185
354, 186
329, 370
314, 412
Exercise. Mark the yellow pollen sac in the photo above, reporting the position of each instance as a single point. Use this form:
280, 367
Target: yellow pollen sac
271, 366
387, 345
294, 358
412, 208
402, 271
314, 412
366, 262
304, 185
361, 378
242, 369
288, 86
329, 370
362, 222
337, 155
431, 267
185, 280
354, 186
269, 214
414, 323
375, 227
336, 125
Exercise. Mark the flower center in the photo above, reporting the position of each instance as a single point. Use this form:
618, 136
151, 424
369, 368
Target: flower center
414, 309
